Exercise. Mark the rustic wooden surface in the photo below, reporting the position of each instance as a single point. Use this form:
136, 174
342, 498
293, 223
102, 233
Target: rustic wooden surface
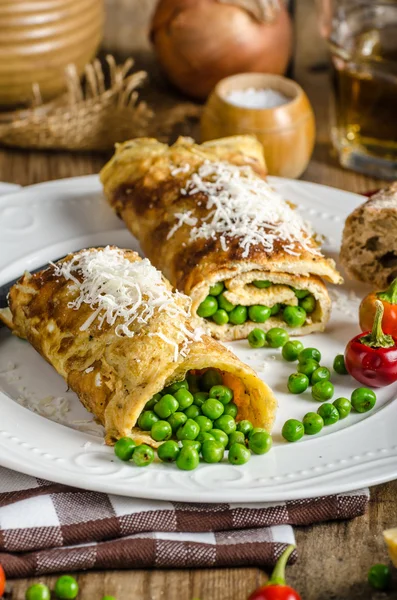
333, 557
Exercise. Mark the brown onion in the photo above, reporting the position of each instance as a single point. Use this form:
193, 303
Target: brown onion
199, 42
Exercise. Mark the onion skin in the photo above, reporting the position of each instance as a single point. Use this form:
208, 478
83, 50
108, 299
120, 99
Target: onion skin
199, 42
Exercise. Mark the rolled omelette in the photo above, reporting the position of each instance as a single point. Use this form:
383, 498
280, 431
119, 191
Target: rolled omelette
113, 328
206, 217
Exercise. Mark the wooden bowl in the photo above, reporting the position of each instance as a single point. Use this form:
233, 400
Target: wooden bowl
38, 38
287, 132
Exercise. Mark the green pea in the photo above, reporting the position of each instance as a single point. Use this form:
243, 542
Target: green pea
66, 587
149, 405
293, 430
329, 413
245, 427
109, 598
217, 288
204, 436
124, 448
261, 284
259, 313
323, 390
277, 337
310, 354
339, 365
208, 307
238, 454
184, 398
38, 591
147, 419
221, 393
224, 304
291, 350
212, 451
204, 423
308, 367
193, 382
188, 458
257, 430
260, 442
196, 444
166, 406
239, 315
161, 431
209, 379
379, 577
300, 293
176, 420
220, 436
225, 423
213, 409
143, 455
298, 383
192, 412
343, 406
236, 437
231, 410
275, 309
257, 338
313, 423
199, 398
363, 399
320, 374
178, 385
220, 317
308, 304
188, 431
168, 451
294, 316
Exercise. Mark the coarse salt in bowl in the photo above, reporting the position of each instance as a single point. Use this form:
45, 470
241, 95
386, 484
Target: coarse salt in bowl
257, 98
273, 108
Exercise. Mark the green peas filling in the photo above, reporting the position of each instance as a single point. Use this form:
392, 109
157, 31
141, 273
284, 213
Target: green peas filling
193, 421
217, 308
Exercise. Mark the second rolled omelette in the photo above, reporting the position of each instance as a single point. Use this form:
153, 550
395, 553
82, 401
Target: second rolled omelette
205, 216
110, 324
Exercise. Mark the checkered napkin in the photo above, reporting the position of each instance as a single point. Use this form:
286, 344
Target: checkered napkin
51, 528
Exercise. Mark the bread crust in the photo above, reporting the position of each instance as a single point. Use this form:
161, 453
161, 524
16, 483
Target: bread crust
369, 241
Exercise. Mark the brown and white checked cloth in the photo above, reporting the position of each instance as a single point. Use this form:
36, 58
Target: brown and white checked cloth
50, 528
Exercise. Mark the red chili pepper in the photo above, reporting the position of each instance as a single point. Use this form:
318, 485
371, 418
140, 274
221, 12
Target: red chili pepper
389, 301
2, 581
372, 358
276, 588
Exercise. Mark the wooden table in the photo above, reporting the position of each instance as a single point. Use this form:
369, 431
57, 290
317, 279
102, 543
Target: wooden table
333, 557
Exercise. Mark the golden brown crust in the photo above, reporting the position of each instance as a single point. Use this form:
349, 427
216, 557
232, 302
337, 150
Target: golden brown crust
115, 376
144, 183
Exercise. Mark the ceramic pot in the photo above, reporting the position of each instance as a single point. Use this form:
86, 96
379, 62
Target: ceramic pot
287, 132
39, 38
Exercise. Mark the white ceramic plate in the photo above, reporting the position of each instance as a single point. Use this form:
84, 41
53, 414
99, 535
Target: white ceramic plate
60, 441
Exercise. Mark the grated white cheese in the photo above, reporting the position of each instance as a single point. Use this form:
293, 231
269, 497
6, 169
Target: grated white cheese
182, 169
131, 292
244, 206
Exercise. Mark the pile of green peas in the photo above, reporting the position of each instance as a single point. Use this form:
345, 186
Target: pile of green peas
310, 372
217, 308
192, 418
66, 588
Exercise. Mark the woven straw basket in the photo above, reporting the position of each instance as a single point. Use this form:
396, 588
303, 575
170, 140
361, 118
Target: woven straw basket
91, 116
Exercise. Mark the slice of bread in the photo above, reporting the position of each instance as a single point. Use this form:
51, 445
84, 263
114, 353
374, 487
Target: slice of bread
369, 243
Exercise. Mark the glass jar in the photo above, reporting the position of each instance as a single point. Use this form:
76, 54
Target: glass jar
362, 38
